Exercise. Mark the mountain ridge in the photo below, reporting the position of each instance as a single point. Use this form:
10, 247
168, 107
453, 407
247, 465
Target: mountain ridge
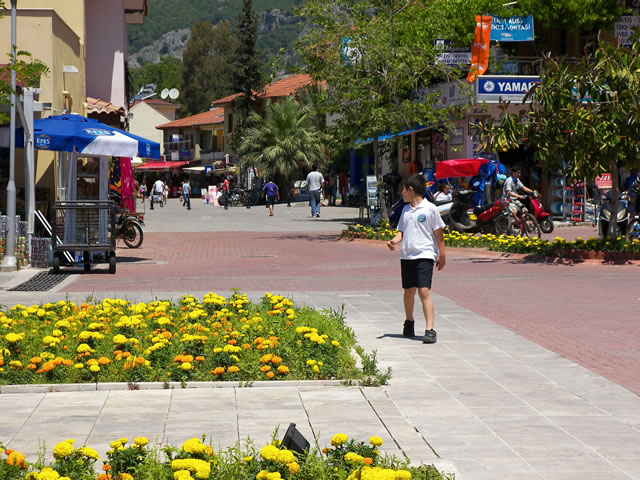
168, 25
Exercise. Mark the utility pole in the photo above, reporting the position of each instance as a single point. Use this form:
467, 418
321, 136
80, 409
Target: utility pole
9, 263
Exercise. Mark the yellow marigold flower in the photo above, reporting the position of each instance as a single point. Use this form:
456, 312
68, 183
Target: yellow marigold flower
375, 441
119, 339
94, 368
286, 456
339, 439
266, 358
14, 337
62, 449
403, 475
233, 369
283, 369
335, 343
126, 476
201, 468
316, 369
247, 459
88, 452
182, 475
123, 440
194, 446
270, 452
185, 366
115, 444
140, 441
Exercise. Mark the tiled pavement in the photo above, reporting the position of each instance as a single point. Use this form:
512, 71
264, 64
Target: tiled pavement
484, 397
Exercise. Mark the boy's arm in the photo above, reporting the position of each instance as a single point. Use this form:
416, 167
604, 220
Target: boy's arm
395, 241
441, 261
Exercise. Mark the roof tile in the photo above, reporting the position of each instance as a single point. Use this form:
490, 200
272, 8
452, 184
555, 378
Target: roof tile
279, 88
211, 117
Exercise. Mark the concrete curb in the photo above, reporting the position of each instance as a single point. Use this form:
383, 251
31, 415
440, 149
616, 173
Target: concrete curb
90, 387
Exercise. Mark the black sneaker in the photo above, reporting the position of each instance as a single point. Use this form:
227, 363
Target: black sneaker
430, 336
317, 215
408, 329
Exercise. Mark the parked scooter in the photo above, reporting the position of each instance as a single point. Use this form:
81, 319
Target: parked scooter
129, 229
534, 206
491, 218
605, 215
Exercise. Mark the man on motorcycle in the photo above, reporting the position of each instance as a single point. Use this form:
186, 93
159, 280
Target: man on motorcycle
634, 200
513, 185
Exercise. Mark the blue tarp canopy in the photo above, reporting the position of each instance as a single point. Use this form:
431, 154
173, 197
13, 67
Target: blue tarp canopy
69, 133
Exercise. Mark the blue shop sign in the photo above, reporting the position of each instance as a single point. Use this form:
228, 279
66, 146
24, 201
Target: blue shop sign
512, 29
508, 87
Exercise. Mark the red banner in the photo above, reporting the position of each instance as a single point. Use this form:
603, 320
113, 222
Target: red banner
480, 47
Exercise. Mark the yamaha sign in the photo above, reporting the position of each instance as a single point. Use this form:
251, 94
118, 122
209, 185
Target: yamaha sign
493, 88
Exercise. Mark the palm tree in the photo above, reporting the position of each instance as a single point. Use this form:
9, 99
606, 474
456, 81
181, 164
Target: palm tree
282, 142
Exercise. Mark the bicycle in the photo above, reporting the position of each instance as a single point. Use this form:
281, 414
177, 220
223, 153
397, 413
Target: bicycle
522, 223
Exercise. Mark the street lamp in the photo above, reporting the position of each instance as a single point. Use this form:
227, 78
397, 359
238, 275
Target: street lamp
9, 262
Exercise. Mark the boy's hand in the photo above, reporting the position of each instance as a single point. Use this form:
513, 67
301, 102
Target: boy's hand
441, 262
391, 245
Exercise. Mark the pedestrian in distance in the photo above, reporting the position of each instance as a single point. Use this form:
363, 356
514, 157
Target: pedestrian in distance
225, 193
421, 247
315, 181
186, 194
271, 194
157, 189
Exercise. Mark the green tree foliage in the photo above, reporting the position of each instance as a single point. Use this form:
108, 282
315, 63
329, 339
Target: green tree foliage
165, 74
583, 118
207, 66
376, 58
282, 143
247, 78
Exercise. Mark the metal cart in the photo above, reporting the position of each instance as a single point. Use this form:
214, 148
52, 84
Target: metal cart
85, 233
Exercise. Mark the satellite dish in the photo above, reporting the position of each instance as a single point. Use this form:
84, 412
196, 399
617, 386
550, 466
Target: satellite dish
174, 93
165, 93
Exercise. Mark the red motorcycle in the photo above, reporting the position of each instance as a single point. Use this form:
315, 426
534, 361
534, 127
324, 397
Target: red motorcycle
492, 218
534, 206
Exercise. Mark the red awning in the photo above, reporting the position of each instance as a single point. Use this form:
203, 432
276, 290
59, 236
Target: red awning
463, 167
160, 166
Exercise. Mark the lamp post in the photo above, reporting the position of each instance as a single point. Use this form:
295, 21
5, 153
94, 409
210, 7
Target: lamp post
9, 263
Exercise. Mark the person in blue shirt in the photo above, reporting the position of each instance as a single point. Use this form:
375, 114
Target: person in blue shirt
272, 195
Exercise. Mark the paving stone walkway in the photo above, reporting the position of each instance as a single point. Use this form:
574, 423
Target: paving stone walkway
483, 401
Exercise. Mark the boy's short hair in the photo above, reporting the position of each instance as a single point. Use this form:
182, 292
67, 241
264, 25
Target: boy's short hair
417, 182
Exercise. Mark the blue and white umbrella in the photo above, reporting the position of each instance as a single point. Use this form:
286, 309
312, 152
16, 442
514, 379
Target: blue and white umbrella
75, 133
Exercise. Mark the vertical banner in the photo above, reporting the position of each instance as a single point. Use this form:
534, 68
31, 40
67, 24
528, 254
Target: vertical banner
480, 47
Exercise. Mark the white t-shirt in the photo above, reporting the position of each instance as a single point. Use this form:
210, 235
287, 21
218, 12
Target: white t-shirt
418, 226
442, 197
511, 185
315, 180
158, 186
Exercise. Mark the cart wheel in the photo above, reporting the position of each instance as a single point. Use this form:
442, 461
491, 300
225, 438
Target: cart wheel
56, 264
112, 264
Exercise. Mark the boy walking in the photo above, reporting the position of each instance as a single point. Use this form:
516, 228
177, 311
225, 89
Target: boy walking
422, 247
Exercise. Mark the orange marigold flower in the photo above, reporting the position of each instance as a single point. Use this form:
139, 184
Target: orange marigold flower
266, 358
117, 352
48, 366
126, 354
232, 342
106, 467
57, 361
104, 361
199, 358
67, 363
218, 371
177, 359
283, 369
276, 359
367, 460
31, 366
187, 358
233, 369
16, 458
140, 361
167, 335
35, 360
246, 346
265, 368
40, 371
258, 340
270, 375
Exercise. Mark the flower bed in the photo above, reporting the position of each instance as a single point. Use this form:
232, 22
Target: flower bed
344, 460
504, 243
192, 340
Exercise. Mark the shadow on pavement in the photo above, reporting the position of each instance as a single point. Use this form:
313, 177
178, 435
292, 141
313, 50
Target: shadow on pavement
417, 338
311, 237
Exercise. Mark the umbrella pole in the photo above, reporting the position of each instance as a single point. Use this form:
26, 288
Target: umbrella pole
9, 262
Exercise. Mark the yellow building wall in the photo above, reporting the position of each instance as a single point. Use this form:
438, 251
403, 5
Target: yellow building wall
49, 39
144, 121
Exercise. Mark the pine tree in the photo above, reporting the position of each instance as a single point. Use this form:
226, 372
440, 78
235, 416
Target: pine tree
248, 66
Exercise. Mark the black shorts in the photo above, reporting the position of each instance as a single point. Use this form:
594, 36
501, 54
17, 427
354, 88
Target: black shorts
417, 273
271, 199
